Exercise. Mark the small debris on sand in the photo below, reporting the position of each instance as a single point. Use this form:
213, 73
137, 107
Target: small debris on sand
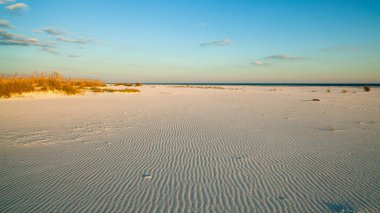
146, 176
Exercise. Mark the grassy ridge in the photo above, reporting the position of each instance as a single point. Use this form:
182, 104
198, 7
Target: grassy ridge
18, 84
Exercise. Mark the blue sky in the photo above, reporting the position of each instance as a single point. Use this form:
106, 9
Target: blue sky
194, 41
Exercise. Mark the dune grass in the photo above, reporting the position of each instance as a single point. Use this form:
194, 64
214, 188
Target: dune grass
124, 84
18, 84
100, 90
96, 90
121, 90
128, 90
128, 84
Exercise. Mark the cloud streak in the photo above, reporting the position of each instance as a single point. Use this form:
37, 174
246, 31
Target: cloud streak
223, 42
50, 31
7, 38
260, 63
58, 35
49, 50
73, 40
285, 57
5, 24
17, 7
7, 1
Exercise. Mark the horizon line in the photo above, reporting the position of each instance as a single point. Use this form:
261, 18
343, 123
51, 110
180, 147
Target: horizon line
260, 84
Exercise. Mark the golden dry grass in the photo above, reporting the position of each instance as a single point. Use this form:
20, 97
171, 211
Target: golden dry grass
130, 90
96, 90
19, 84
122, 90
128, 84
124, 84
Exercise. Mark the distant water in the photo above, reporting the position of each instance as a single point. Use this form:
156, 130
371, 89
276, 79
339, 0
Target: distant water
277, 84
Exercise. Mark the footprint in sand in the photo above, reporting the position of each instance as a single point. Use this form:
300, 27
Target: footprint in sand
289, 118
332, 129
280, 198
87, 142
373, 122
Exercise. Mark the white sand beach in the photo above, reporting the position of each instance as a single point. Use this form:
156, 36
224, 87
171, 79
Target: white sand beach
178, 149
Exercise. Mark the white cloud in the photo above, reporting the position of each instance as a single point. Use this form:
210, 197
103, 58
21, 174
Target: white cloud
260, 63
7, 38
285, 57
17, 7
222, 42
73, 40
5, 24
51, 31
6, 1
57, 34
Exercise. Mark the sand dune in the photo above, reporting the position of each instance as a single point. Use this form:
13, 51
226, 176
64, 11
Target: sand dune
193, 150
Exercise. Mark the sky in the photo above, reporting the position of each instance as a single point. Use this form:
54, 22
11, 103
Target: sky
193, 41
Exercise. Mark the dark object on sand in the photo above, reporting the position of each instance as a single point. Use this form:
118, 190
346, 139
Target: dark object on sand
367, 88
147, 176
316, 99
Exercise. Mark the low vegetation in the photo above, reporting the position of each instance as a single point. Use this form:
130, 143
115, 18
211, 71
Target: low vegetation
128, 84
11, 85
102, 90
124, 84
129, 90
206, 87
199, 87
275, 89
367, 89
96, 90
330, 128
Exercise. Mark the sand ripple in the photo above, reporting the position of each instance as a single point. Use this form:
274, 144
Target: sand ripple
197, 155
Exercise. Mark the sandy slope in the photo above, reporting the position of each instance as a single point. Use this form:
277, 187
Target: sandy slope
191, 149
